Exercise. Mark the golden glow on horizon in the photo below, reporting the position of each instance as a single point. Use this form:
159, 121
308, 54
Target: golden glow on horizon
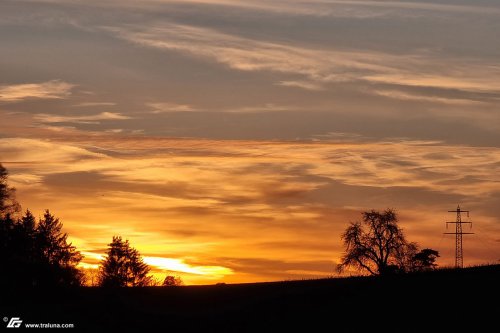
178, 265
239, 211
161, 266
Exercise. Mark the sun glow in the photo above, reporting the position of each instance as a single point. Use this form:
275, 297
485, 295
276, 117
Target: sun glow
178, 265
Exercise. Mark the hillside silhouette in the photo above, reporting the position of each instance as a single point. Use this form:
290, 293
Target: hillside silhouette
443, 299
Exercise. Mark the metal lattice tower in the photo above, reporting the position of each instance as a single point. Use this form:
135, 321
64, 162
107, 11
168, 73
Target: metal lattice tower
459, 253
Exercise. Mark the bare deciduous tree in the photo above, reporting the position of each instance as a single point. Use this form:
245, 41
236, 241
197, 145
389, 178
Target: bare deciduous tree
377, 246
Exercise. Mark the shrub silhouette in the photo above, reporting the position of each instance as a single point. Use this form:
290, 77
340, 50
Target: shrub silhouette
425, 260
172, 281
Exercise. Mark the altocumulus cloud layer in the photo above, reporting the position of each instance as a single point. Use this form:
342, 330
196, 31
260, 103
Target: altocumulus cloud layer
235, 139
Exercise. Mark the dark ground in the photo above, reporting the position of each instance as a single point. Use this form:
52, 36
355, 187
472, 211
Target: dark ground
440, 301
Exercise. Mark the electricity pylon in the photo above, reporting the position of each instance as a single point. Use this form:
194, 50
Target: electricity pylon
459, 253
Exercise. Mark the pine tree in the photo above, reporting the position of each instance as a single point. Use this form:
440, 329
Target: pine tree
52, 242
123, 266
26, 234
54, 254
8, 203
33, 254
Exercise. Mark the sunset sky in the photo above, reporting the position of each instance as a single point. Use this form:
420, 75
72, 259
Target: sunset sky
233, 141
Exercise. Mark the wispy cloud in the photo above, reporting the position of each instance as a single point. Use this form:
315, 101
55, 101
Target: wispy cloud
318, 66
91, 104
405, 96
474, 78
302, 84
166, 107
246, 54
54, 89
331, 8
268, 107
159, 108
49, 118
19, 150
280, 193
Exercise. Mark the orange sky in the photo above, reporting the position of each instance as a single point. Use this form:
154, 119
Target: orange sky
239, 211
233, 141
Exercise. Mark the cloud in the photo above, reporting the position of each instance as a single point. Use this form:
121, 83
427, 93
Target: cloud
43, 153
269, 107
242, 53
159, 108
91, 104
166, 107
476, 79
405, 96
318, 66
286, 201
302, 84
115, 130
48, 118
332, 8
54, 89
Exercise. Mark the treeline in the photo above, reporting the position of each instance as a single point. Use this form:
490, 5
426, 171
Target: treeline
36, 253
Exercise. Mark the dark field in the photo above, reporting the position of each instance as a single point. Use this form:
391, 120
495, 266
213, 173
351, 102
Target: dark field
444, 300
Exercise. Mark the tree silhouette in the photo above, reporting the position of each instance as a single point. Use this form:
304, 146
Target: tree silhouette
37, 254
377, 246
31, 253
10, 258
56, 255
425, 260
8, 246
123, 266
172, 281
8, 203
